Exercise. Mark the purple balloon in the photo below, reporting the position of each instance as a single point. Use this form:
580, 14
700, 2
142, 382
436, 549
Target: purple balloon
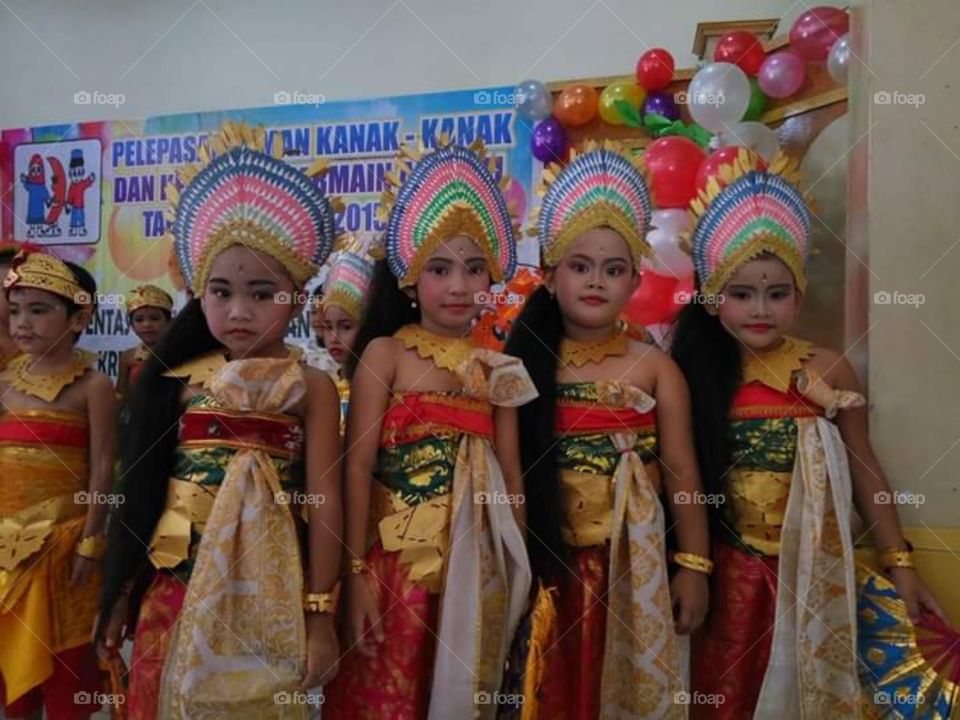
661, 103
781, 75
549, 141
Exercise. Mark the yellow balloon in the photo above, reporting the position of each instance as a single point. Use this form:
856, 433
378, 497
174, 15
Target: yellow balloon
622, 90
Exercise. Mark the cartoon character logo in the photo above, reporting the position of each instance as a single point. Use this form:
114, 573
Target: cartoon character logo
40, 222
78, 187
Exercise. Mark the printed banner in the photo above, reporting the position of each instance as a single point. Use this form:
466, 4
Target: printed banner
95, 193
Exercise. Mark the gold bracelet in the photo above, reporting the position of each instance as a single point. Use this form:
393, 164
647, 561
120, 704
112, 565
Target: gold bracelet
324, 602
357, 566
92, 547
692, 561
895, 558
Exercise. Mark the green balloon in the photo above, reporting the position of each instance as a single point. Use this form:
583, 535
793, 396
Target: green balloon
758, 102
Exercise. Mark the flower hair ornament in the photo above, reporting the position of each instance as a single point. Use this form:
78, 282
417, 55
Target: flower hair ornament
246, 194
603, 186
745, 212
444, 193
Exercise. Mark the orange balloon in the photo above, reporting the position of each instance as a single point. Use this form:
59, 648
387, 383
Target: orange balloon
577, 105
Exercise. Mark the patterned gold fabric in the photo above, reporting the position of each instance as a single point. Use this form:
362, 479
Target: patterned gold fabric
241, 637
613, 425
44, 456
199, 470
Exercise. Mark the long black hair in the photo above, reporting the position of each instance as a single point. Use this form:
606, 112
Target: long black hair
535, 339
709, 357
388, 310
148, 456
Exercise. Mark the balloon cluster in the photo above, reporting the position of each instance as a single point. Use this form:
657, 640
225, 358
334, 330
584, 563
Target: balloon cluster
725, 99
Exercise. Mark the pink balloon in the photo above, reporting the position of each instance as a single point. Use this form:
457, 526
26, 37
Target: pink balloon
815, 32
781, 75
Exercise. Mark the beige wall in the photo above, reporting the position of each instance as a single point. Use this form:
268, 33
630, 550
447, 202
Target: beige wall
909, 161
189, 55
904, 218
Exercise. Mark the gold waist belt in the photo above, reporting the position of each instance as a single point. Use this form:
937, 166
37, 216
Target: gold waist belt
420, 533
23, 533
757, 501
587, 504
188, 506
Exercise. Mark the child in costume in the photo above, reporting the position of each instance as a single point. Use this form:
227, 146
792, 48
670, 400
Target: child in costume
8, 348
781, 431
345, 294
56, 449
149, 310
233, 442
608, 435
438, 575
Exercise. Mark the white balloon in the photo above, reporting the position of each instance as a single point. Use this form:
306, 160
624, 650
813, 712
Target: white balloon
756, 136
664, 237
673, 220
534, 101
718, 96
838, 62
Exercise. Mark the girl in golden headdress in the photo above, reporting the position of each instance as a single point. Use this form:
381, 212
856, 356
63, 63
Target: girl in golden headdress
781, 429
56, 449
437, 575
607, 457
233, 444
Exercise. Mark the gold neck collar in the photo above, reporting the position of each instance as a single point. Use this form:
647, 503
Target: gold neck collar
775, 368
45, 386
449, 353
578, 354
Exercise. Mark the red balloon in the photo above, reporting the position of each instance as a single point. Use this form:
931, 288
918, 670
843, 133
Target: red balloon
658, 299
712, 164
741, 48
655, 69
673, 163
815, 32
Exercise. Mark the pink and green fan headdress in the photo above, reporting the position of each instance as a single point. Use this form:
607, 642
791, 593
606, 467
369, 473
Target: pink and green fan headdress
245, 195
350, 277
448, 192
601, 187
746, 213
